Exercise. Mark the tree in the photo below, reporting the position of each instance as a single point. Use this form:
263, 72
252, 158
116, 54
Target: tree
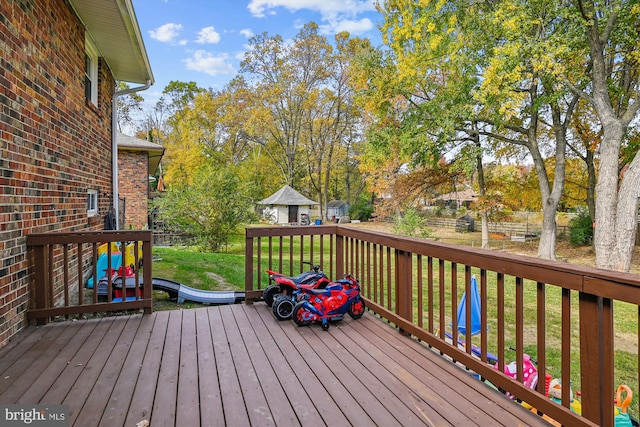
174, 126
301, 113
176, 97
411, 223
489, 66
607, 35
332, 123
211, 207
283, 79
588, 136
128, 106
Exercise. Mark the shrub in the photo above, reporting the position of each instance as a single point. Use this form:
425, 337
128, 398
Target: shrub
361, 210
581, 228
211, 208
412, 224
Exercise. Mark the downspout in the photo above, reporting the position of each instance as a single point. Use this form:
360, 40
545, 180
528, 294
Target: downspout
114, 145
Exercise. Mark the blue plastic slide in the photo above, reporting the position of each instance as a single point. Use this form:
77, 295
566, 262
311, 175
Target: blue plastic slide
177, 291
102, 265
187, 293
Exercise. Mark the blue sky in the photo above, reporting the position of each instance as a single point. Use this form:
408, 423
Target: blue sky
204, 40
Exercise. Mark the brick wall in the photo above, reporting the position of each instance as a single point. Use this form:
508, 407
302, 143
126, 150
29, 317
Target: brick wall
133, 185
53, 145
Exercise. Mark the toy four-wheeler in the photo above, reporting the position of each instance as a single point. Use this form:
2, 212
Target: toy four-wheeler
332, 303
280, 284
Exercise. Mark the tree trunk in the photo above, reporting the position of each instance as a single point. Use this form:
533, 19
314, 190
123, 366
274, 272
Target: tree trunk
485, 229
547, 245
616, 210
627, 216
483, 187
591, 184
617, 200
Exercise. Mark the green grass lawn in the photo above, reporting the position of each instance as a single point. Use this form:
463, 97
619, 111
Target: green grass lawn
200, 270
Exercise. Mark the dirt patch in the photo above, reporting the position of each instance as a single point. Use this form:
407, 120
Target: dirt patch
222, 283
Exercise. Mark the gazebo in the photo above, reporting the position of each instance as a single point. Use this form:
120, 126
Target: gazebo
287, 206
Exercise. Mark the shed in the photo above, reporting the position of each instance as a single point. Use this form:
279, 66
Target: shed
287, 206
465, 224
337, 208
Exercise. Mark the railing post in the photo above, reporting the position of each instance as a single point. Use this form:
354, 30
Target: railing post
339, 255
403, 288
248, 266
596, 359
147, 272
41, 281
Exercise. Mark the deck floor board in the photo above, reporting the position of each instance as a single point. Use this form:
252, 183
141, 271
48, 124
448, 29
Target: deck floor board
237, 365
313, 404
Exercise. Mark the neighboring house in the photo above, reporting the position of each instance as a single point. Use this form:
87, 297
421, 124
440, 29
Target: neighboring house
458, 199
58, 166
287, 206
337, 208
138, 159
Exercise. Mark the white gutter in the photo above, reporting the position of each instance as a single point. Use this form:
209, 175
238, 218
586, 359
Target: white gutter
114, 145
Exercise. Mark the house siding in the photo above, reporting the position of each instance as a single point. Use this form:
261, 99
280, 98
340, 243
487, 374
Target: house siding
133, 186
54, 145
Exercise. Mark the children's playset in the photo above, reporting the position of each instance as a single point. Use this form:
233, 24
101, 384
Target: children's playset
124, 283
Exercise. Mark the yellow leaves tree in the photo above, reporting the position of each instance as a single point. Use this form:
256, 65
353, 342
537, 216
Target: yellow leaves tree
486, 68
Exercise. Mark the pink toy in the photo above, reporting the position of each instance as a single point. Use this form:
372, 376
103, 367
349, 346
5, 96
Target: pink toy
529, 375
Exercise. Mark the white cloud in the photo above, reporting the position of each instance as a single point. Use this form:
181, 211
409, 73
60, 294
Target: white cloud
167, 33
353, 27
247, 33
208, 35
327, 8
205, 62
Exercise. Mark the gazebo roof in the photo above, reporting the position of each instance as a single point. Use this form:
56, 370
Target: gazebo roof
287, 196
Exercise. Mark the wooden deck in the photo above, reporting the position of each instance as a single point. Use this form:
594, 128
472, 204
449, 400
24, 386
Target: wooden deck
237, 366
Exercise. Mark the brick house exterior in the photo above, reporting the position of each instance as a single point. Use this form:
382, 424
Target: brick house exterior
57, 85
137, 160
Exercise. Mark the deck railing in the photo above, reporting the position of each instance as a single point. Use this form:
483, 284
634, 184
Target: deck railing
561, 314
62, 263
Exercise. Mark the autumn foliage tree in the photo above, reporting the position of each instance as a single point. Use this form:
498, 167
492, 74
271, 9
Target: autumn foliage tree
518, 69
301, 112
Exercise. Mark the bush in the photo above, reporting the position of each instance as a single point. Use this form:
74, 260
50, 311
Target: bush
361, 210
211, 208
581, 228
412, 224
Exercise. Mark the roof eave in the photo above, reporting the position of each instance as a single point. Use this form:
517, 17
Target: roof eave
114, 28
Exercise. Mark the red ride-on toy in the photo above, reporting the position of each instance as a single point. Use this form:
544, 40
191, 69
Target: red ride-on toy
332, 303
281, 288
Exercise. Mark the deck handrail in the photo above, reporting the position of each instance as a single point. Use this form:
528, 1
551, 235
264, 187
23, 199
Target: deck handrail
406, 280
61, 262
